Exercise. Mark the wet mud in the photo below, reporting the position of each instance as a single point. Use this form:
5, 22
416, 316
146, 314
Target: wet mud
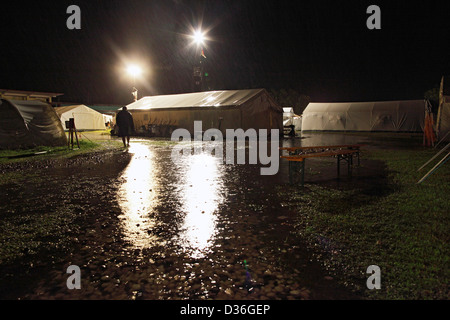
141, 226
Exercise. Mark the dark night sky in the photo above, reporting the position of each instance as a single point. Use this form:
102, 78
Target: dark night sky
320, 48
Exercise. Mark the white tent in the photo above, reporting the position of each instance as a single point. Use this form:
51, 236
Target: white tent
107, 118
291, 119
288, 112
85, 117
396, 116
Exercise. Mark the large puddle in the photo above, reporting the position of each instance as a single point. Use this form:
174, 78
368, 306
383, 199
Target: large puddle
194, 186
192, 227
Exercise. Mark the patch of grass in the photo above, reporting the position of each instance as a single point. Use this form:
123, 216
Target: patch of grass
86, 146
404, 231
5, 155
27, 163
106, 132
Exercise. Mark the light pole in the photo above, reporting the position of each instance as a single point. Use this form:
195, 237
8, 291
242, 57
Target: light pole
134, 71
199, 39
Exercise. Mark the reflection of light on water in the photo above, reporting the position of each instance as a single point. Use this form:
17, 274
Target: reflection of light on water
199, 189
200, 197
137, 196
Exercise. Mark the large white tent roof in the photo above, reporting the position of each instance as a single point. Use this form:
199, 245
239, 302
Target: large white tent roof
404, 115
197, 99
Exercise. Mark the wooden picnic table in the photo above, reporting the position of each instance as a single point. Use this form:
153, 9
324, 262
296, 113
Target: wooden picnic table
297, 150
298, 155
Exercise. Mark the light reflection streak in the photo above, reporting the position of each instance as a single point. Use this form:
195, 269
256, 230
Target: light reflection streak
138, 196
200, 195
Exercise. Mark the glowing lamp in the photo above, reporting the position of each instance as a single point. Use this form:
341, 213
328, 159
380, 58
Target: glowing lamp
134, 70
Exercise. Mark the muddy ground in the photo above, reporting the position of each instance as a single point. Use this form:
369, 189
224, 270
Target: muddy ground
140, 226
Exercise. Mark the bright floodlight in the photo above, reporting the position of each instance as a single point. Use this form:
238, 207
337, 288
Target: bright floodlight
199, 37
134, 70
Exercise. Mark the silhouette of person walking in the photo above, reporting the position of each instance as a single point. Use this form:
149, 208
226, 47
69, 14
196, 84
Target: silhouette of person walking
124, 121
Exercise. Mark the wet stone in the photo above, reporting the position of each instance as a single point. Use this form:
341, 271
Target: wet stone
105, 278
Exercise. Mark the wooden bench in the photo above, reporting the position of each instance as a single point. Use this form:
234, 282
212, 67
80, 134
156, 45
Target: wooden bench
298, 155
301, 150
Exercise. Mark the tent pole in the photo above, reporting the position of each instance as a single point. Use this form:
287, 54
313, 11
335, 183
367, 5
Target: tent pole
434, 157
85, 136
290, 172
71, 138
440, 163
442, 139
76, 136
338, 166
303, 172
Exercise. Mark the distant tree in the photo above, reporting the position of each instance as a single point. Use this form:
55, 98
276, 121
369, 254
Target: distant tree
303, 102
290, 98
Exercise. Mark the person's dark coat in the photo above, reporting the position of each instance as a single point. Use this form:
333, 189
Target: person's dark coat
124, 121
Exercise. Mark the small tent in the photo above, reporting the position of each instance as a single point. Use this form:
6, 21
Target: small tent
109, 111
230, 109
26, 124
394, 116
443, 117
85, 117
291, 119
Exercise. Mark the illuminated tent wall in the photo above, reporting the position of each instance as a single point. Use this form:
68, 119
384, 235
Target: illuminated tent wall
393, 116
443, 117
231, 109
85, 117
26, 124
291, 119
